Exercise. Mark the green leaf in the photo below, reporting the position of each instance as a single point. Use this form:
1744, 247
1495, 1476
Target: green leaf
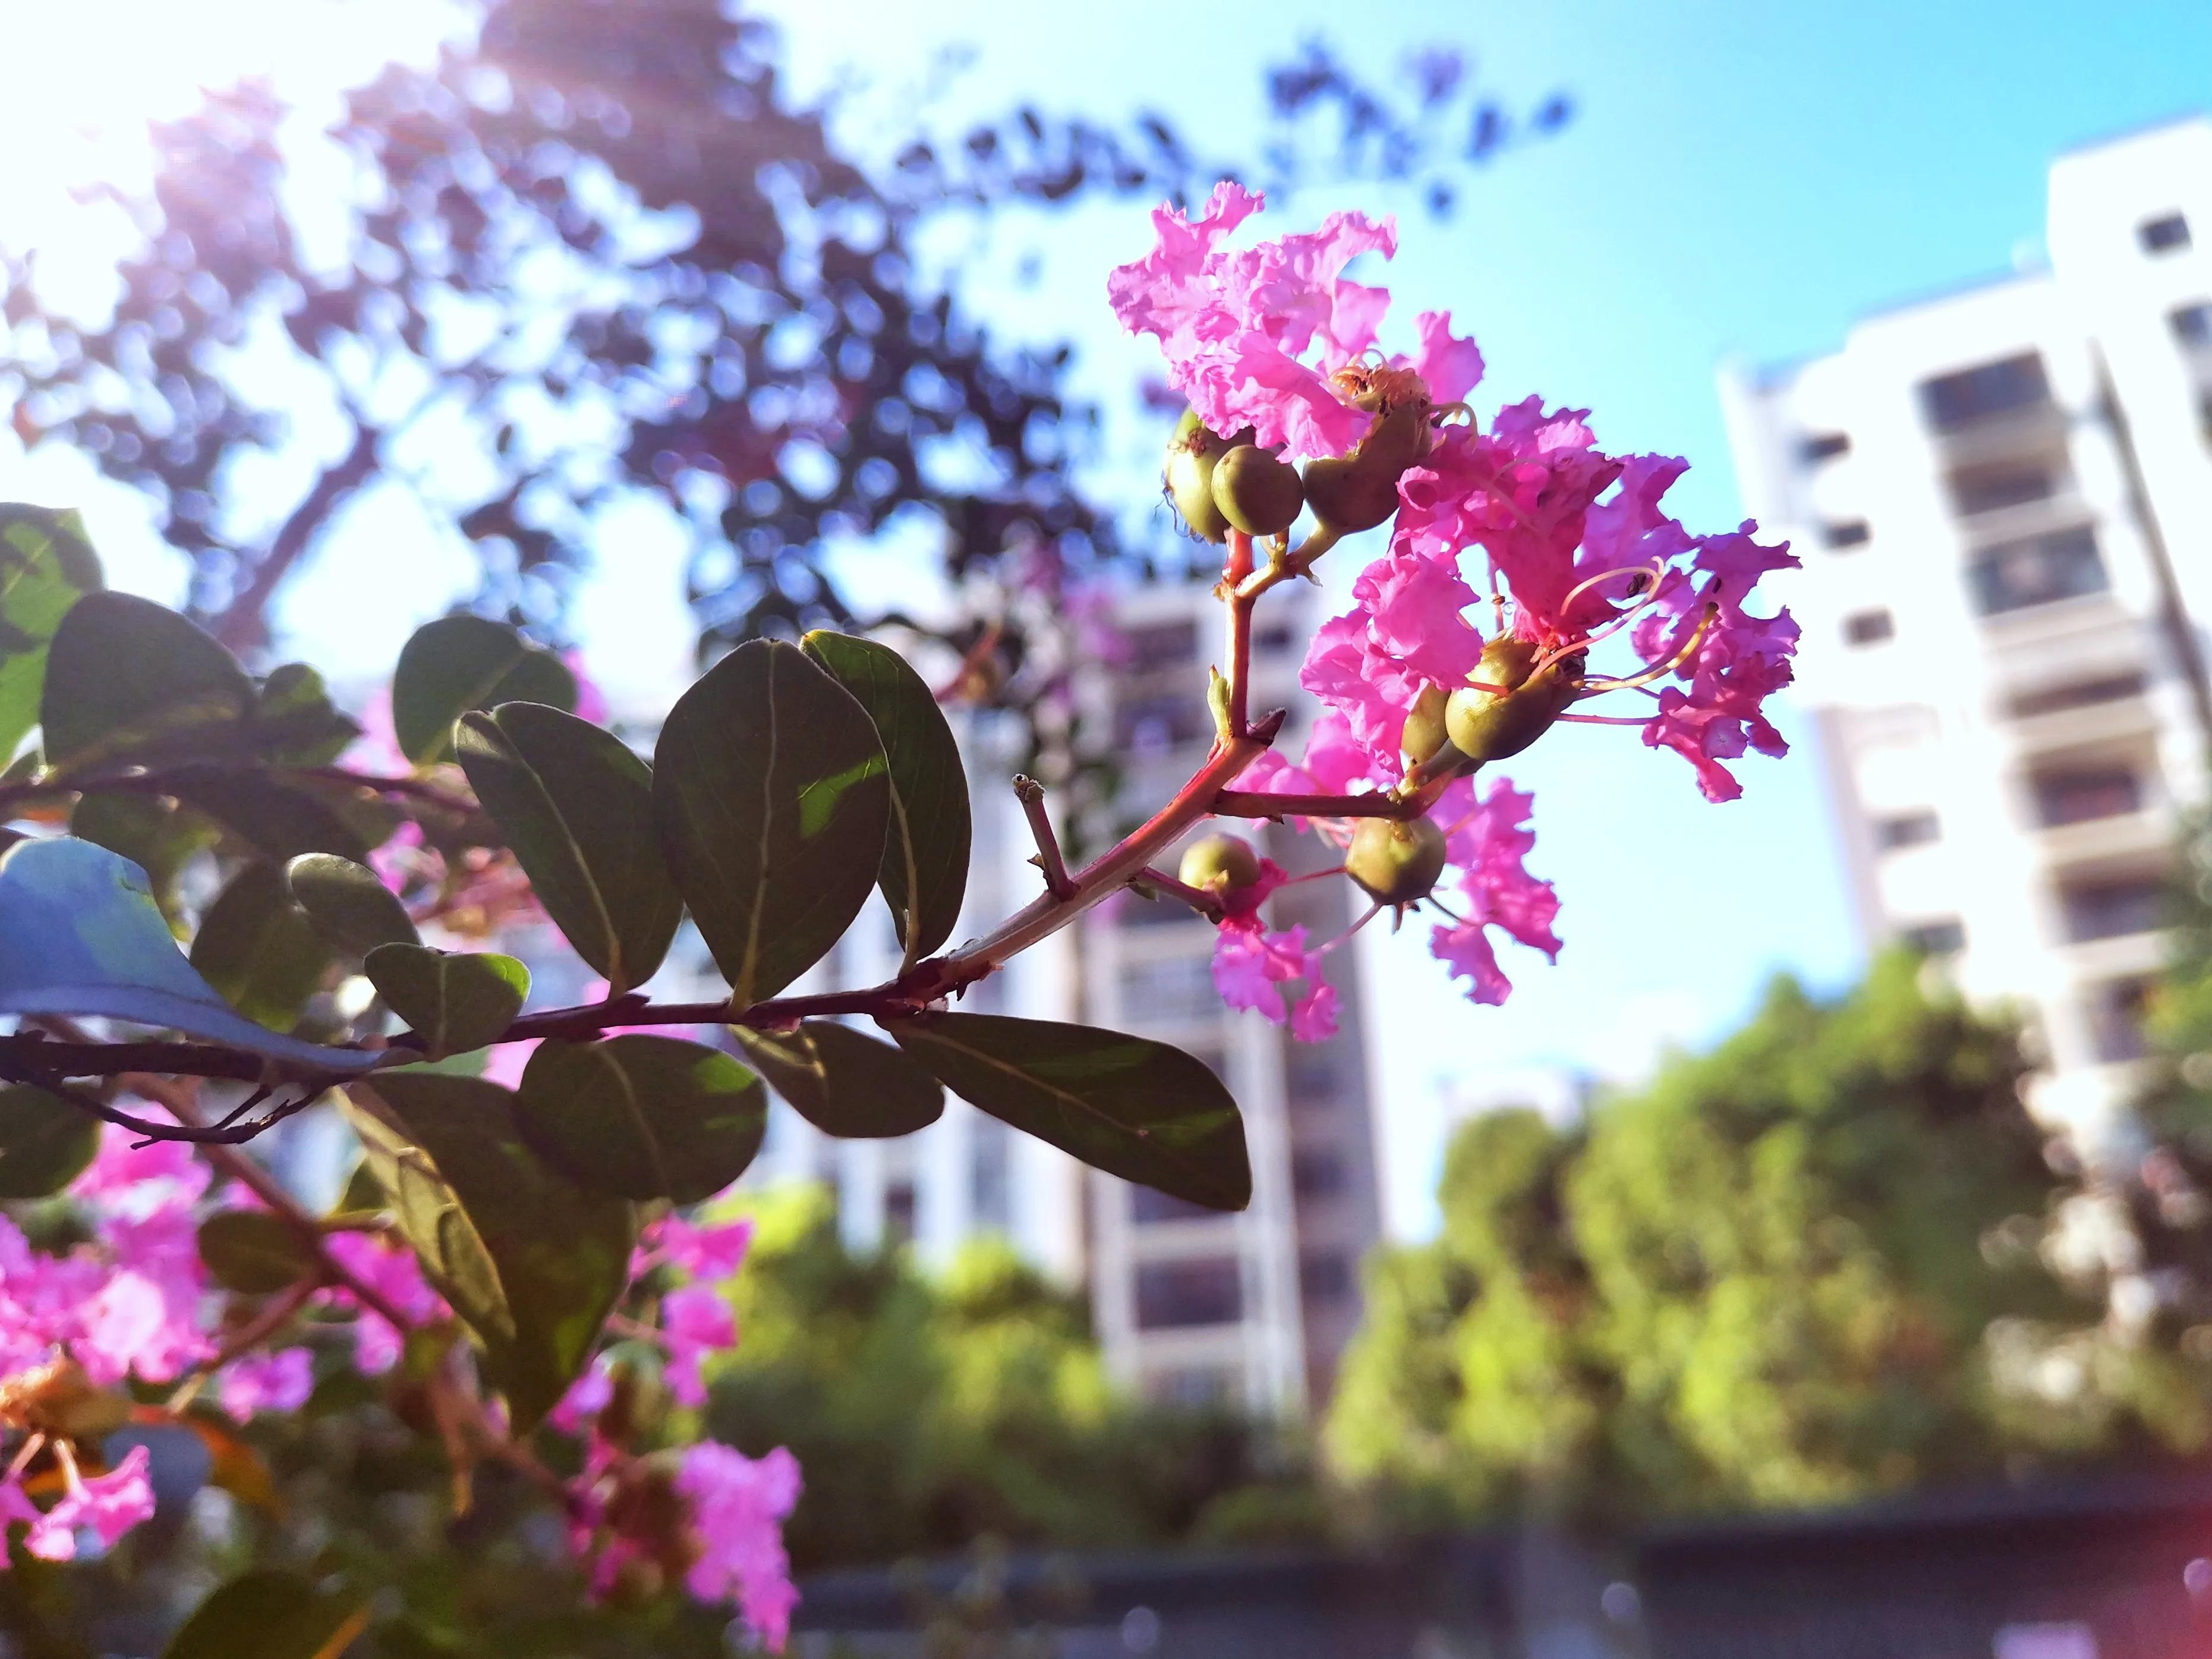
254, 1252
1125, 1104
642, 1116
44, 1143
460, 663
347, 904
45, 567
258, 950
128, 678
576, 806
530, 1261
843, 1083
276, 817
453, 1000
768, 783
153, 834
924, 875
270, 1614
84, 938
295, 722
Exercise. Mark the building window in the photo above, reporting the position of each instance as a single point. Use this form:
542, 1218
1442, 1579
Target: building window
2036, 570
1951, 402
2079, 796
1935, 939
898, 1211
1324, 1276
2075, 694
1905, 829
1317, 1173
2116, 1020
1148, 1205
1160, 645
1992, 489
1852, 533
2192, 324
2112, 909
1150, 725
1869, 626
1274, 639
2167, 233
1173, 987
1174, 1295
1823, 446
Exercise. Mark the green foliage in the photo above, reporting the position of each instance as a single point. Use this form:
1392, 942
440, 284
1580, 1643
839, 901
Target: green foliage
931, 1413
530, 1261
642, 1117
44, 1143
844, 1083
348, 905
576, 807
254, 1252
128, 678
773, 803
271, 1615
257, 947
457, 663
924, 875
1765, 1280
1125, 1104
45, 567
454, 1000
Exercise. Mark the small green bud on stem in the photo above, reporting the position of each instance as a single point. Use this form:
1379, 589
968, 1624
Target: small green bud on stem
1256, 492
1219, 864
1192, 454
1487, 726
1396, 862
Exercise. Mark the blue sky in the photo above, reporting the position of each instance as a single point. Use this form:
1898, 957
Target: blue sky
1739, 179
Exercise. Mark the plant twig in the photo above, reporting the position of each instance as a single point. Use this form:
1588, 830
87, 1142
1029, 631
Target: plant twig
1049, 858
1199, 900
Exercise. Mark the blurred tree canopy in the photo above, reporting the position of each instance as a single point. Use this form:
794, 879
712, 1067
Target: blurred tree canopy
1801, 1269
597, 255
932, 1414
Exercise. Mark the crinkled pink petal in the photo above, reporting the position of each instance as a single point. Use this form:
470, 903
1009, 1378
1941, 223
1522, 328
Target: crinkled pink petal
739, 1505
278, 1382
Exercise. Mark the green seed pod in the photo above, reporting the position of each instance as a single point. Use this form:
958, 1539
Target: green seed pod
1487, 727
1219, 864
1359, 490
1424, 732
1192, 454
1256, 492
1397, 863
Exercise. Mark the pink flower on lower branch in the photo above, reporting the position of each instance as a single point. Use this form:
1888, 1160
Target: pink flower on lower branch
106, 1506
739, 1505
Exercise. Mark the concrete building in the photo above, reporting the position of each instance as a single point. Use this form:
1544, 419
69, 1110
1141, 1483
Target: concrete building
2004, 498
1190, 1304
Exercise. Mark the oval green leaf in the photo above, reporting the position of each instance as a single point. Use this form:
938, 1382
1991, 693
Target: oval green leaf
84, 938
844, 1083
126, 677
45, 567
295, 722
347, 904
924, 874
277, 819
1125, 1104
641, 1116
44, 1143
254, 1252
453, 1000
576, 807
258, 950
157, 836
270, 1614
457, 664
530, 1261
768, 785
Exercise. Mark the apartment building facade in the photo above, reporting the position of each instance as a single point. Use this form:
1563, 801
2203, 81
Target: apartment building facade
2004, 499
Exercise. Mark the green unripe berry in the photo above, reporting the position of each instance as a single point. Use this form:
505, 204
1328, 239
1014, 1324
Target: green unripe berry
1397, 863
1359, 490
1425, 733
1219, 864
1191, 458
1257, 492
1487, 726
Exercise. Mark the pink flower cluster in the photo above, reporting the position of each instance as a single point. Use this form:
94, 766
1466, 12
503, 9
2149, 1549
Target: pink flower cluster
1525, 524
1252, 964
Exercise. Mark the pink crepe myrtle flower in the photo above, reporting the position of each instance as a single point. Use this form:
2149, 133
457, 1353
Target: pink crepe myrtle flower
392, 1271
257, 1382
694, 1323
704, 1250
739, 1505
106, 1506
1252, 963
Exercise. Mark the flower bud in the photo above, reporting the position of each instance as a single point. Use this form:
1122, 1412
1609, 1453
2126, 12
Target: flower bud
1488, 726
1256, 492
1396, 862
1219, 864
1425, 735
1359, 490
1192, 454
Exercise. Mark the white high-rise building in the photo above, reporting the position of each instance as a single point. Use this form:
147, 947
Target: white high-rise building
2004, 499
